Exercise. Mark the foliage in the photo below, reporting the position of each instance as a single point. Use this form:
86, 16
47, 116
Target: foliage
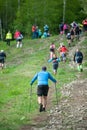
84, 5
22, 14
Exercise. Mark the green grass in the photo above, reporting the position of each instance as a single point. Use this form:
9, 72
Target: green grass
21, 65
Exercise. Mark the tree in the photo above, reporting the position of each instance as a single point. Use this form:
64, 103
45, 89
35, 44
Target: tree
22, 14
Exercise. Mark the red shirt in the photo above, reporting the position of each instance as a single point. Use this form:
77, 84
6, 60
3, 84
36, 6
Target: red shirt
17, 34
63, 49
33, 28
84, 22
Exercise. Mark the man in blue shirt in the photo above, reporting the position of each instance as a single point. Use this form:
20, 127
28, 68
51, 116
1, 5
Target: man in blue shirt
43, 87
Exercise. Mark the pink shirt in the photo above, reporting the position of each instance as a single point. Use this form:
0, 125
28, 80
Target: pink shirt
17, 34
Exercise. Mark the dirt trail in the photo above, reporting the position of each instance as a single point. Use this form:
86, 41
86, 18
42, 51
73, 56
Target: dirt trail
71, 112
41, 118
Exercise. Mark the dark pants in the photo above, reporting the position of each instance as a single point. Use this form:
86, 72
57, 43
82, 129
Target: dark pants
8, 42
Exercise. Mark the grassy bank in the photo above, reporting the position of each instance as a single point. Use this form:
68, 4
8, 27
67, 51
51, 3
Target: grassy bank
21, 65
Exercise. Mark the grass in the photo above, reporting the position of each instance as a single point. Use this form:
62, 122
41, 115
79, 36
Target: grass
21, 65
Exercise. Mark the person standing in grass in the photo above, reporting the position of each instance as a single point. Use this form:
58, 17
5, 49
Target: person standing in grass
78, 58
42, 90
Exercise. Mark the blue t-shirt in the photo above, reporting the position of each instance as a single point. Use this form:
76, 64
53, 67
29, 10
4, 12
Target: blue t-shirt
43, 78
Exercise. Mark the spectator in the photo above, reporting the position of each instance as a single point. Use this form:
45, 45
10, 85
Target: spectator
65, 28
34, 35
46, 28
61, 28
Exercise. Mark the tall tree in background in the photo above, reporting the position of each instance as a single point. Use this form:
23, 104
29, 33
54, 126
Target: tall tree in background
22, 14
8, 9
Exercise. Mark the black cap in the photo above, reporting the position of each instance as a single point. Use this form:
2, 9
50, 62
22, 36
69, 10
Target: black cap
44, 68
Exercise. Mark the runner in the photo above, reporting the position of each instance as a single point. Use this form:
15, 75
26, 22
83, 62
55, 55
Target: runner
72, 32
52, 50
68, 36
43, 87
2, 58
78, 58
19, 41
63, 51
55, 61
77, 32
18, 36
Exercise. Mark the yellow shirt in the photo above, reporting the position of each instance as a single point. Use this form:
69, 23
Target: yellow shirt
8, 35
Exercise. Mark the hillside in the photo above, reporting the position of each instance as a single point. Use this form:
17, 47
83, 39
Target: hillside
71, 111
21, 65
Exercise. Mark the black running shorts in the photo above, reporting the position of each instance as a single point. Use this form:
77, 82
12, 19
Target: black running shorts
42, 90
2, 61
55, 66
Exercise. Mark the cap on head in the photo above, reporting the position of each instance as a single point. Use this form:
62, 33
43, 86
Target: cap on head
77, 49
2, 50
44, 68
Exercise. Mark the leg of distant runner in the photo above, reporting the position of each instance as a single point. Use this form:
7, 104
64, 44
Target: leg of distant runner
81, 67
78, 67
17, 44
20, 44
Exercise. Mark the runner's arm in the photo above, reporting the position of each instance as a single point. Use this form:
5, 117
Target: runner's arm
34, 78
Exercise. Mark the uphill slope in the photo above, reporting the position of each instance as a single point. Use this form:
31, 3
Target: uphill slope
71, 112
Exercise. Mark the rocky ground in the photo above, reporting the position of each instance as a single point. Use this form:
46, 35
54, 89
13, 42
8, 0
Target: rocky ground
71, 111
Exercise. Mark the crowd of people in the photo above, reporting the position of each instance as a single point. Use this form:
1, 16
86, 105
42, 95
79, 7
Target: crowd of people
73, 31
37, 33
43, 76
